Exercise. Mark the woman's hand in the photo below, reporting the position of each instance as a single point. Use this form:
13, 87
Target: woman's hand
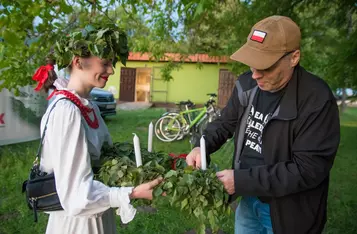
144, 191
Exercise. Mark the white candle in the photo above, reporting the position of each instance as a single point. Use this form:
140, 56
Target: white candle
151, 129
137, 150
203, 153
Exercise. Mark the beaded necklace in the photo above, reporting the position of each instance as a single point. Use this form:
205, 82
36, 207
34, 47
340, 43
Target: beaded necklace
84, 109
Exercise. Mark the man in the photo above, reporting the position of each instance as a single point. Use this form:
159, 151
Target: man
286, 127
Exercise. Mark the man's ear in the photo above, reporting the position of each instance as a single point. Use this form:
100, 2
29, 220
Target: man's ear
295, 58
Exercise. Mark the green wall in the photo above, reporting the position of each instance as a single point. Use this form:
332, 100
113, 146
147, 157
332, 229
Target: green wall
190, 82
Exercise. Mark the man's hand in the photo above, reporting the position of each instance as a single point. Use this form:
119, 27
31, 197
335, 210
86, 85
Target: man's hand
194, 157
227, 179
144, 191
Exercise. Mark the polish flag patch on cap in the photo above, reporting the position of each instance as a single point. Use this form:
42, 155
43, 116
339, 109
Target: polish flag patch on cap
258, 36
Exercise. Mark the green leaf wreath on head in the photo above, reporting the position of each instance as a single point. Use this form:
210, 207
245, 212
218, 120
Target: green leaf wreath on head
106, 41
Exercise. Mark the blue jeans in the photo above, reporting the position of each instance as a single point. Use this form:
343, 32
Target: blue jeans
252, 217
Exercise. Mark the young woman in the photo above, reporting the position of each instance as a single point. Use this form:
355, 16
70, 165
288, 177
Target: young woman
72, 145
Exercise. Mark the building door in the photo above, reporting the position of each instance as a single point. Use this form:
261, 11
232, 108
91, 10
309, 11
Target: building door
127, 84
143, 79
225, 87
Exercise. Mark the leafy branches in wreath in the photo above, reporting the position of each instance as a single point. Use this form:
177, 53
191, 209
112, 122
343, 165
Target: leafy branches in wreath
197, 193
106, 42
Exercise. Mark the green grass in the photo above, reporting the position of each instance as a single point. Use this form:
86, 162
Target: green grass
15, 161
342, 204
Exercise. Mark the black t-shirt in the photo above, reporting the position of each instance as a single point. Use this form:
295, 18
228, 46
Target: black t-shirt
263, 106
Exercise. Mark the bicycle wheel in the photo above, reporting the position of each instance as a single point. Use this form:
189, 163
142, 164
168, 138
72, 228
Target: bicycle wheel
158, 133
170, 127
167, 128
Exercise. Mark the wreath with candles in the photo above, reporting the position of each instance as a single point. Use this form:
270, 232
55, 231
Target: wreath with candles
197, 193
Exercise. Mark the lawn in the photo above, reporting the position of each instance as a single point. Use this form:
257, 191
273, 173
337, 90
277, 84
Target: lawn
15, 161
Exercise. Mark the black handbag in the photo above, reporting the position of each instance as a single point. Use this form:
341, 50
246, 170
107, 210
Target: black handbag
40, 187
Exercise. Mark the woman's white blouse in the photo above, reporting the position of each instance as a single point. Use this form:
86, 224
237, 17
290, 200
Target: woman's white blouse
69, 149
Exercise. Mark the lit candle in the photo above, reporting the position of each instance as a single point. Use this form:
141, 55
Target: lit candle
151, 128
137, 150
203, 153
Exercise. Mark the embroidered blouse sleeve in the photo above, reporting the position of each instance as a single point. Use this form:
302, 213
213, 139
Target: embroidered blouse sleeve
79, 193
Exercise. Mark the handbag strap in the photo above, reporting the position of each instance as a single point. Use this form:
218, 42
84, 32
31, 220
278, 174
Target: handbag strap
44, 131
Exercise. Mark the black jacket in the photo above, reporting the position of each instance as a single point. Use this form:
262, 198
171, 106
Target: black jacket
299, 146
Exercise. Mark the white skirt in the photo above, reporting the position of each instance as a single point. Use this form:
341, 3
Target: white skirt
103, 223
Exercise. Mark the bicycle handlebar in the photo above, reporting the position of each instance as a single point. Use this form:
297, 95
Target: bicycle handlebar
211, 99
212, 94
188, 102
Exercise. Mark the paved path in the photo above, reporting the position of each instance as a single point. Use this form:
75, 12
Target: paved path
133, 105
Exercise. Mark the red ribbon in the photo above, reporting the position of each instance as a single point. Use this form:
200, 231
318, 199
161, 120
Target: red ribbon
41, 75
176, 157
51, 95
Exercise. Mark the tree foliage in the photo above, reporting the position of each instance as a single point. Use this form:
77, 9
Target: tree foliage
29, 28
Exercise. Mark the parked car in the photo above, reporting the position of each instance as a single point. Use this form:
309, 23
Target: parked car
105, 101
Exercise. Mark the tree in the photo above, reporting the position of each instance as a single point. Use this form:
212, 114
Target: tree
185, 27
330, 43
328, 33
29, 28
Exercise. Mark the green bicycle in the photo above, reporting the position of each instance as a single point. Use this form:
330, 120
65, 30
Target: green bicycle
174, 126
